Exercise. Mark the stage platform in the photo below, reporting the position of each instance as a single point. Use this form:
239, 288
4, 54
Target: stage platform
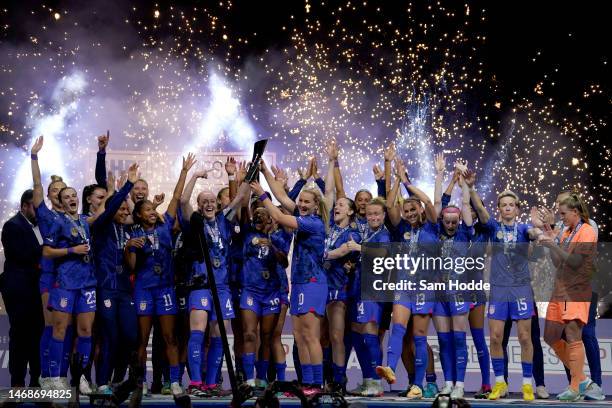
388, 401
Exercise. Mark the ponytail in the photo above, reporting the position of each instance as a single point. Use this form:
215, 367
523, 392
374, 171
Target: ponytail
575, 202
322, 210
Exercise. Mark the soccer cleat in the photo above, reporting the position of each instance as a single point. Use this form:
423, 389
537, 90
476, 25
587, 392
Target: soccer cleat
386, 373
447, 389
311, 391
541, 393
415, 392
431, 390
215, 390
197, 391
374, 389
594, 393
500, 390
104, 390
582, 387
483, 392
360, 388
175, 388
457, 392
84, 387
166, 388
528, 392
569, 395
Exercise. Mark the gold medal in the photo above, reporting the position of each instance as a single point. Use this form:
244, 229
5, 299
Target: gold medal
407, 235
74, 231
265, 274
255, 241
500, 235
157, 269
353, 225
216, 262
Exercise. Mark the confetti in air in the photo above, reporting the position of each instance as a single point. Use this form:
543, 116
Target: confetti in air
168, 78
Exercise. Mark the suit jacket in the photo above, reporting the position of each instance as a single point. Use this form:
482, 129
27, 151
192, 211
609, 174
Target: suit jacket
22, 255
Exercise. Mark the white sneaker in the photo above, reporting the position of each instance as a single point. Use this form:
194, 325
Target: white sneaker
373, 389
447, 389
65, 383
55, 383
251, 383
84, 387
457, 392
44, 383
176, 388
541, 393
145, 389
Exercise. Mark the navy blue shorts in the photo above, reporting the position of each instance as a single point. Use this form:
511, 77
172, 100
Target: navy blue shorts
73, 301
308, 298
366, 312
155, 301
260, 304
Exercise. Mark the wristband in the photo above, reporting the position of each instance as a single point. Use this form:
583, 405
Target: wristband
34, 156
70, 251
263, 197
231, 177
336, 164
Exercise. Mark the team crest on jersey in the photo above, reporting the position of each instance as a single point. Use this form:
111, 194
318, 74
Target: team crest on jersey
204, 302
107, 302
143, 306
249, 301
64, 302
397, 296
491, 309
237, 229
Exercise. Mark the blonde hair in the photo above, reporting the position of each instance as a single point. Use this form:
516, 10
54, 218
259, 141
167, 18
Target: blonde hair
55, 179
378, 201
322, 210
575, 202
508, 193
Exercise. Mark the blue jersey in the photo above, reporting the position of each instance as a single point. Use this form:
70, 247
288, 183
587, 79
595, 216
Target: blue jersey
509, 263
453, 247
281, 239
73, 271
108, 242
236, 257
307, 260
45, 218
337, 276
154, 259
218, 233
380, 236
260, 266
362, 226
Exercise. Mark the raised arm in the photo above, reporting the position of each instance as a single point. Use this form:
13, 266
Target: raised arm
389, 157
101, 159
185, 202
379, 177
178, 189
277, 215
393, 209
113, 203
332, 159
466, 210
230, 168
483, 214
314, 170
278, 189
340, 193
440, 164
39, 194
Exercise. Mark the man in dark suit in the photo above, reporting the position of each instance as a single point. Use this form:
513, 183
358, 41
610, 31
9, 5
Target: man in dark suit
22, 244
